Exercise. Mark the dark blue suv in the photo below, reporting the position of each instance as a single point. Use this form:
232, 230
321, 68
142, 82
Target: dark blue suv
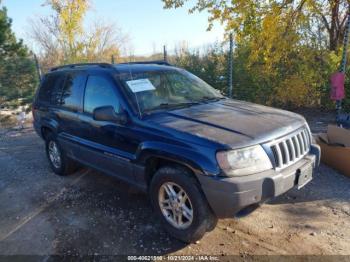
200, 156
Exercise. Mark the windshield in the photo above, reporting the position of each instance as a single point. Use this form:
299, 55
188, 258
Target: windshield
168, 89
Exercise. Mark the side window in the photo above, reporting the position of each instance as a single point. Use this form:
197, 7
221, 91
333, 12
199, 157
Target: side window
71, 93
99, 92
50, 90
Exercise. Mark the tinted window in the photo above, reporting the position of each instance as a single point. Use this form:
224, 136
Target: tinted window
99, 92
44, 94
71, 93
50, 90
56, 91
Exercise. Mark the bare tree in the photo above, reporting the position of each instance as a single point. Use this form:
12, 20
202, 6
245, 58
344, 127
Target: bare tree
56, 43
103, 41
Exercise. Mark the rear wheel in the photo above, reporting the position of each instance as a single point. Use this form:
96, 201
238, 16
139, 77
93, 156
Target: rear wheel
177, 199
59, 162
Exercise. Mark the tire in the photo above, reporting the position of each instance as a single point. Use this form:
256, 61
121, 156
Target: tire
66, 165
202, 217
212, 222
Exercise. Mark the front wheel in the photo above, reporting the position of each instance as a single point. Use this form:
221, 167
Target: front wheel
177, 199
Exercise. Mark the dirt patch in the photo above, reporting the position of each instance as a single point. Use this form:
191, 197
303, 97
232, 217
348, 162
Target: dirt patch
7, 121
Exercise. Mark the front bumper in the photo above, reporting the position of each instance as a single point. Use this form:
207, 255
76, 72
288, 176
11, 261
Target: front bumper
227, 196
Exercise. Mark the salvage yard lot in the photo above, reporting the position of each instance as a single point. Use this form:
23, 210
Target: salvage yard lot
89, 213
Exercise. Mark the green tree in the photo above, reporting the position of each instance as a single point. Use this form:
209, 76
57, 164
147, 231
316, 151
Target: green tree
17, 71
209, 63
285, 50
327, 16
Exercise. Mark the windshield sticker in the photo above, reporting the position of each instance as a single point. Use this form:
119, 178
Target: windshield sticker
140, 85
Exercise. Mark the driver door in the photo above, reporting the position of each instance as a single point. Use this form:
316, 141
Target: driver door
105, 143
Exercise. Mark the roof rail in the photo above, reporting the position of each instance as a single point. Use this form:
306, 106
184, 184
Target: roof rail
157, 62
80, 65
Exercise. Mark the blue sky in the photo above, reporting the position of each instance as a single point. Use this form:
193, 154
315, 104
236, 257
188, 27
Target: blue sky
148, 25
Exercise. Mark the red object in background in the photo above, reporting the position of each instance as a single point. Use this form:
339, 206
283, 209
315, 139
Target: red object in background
337, 86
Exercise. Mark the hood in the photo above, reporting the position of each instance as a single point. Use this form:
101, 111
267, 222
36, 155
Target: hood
231, 122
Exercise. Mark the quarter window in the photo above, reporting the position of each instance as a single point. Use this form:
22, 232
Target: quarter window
50, 90
56, 92
99, 92
71, 93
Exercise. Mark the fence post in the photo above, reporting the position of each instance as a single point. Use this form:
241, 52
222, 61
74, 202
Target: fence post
230, 69
344, 57
37, 65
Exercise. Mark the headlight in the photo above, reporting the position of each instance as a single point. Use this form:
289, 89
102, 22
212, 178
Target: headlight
244, 161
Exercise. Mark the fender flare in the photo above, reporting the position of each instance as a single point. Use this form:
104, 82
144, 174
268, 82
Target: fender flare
196, 161
50, 124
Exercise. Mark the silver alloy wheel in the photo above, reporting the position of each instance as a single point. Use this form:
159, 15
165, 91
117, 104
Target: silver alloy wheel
175, 205
54, 154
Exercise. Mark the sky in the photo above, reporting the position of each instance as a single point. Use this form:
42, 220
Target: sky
146, 23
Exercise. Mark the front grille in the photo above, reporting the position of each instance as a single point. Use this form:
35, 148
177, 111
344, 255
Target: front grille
290, 149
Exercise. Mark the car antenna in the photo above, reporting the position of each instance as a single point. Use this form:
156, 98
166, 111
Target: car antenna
132, 79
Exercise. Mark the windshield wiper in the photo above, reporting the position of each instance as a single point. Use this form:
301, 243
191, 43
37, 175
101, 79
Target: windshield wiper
171, 106
210, 99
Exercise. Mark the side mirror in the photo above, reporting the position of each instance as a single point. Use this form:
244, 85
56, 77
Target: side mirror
107, 113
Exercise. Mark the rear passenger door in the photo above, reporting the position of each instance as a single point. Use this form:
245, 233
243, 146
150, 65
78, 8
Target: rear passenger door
70, 103
104, 142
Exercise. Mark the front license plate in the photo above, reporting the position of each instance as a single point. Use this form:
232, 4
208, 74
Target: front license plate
305, 175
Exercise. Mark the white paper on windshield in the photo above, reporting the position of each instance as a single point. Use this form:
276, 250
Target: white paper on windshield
140, 85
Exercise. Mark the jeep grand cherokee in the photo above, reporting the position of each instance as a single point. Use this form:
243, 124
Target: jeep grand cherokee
199, 155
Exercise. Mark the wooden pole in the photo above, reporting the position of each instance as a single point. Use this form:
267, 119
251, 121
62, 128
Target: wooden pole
37, 65
165, 54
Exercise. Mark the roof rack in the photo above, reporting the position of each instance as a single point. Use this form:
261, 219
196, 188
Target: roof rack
157, 62
80, 65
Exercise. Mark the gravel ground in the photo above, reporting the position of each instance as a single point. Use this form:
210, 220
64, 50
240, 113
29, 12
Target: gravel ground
89, 213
